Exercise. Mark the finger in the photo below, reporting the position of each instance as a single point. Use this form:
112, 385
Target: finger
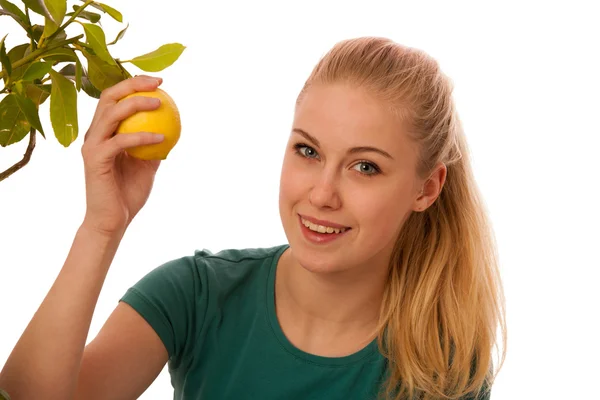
146, 76
123, 109
127, 140
142, 83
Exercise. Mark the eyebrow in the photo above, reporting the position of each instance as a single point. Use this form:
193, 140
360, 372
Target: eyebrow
354, 150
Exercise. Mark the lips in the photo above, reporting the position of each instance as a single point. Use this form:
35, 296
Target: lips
318, 234
323, 222
321, 228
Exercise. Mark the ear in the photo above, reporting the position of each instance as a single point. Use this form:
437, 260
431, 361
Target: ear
431, 188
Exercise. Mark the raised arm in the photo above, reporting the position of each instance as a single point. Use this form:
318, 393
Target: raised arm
48, 361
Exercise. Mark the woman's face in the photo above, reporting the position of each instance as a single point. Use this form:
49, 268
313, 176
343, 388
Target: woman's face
348, 180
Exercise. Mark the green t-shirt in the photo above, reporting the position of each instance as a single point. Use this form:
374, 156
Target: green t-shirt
216, 317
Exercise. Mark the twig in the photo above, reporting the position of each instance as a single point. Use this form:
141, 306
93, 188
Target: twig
24, 161
40, 52
71, 19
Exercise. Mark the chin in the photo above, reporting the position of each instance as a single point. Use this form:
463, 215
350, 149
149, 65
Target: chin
316, 261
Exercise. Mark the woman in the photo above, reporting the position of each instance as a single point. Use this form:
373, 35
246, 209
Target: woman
388, 287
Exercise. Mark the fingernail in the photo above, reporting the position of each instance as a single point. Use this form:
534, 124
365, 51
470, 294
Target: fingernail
155, 101
158, 137
159, 80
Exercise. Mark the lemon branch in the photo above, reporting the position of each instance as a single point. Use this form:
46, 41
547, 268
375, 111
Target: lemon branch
40, 52
52, 44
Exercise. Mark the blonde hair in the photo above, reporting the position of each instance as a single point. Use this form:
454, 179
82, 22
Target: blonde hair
443, 301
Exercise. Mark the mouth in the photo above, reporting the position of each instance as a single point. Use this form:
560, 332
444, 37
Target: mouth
321, 228
319, 231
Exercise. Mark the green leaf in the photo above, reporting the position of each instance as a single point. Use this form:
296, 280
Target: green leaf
109, 10
81, 78
15, 12
120, 35
59, 37
28, 108
87, 47
10, 7
57, 9
36, 32
63, 109
101, 74
90, 16
89, 89
4, 60
38, 7
94, 36
68, 71
18, 52
37, 93
62, 54
15, 54
49, 28
112, 12
37, 70
160, 58
13, 123
18, 87
71, 71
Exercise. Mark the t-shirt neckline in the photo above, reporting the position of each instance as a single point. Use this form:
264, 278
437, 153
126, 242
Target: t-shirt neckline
287, 345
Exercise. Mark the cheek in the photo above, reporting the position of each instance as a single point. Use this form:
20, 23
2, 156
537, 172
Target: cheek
380, 213
292, 183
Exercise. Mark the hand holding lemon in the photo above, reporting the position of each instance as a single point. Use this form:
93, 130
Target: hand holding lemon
164, 120
130, 133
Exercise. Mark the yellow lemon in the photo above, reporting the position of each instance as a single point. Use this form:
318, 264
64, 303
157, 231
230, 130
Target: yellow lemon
164, 120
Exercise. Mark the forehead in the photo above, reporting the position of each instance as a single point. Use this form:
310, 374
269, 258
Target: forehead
344, 116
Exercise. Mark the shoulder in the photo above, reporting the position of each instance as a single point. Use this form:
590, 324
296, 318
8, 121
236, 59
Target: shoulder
195, 274
225, 269
232, 258
222, 262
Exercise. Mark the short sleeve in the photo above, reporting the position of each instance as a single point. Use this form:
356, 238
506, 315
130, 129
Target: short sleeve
170, 298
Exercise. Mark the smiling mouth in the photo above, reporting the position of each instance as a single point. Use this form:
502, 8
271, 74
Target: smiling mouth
321, 228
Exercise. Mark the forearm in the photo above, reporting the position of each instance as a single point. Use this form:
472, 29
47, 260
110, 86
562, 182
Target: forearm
46, 360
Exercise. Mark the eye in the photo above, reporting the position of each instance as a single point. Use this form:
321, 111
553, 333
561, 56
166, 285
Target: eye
306, 151
367, 168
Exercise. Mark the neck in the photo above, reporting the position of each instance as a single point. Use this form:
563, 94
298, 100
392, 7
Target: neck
341, 300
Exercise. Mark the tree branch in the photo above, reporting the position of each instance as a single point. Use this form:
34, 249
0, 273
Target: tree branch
39, 52
24, 161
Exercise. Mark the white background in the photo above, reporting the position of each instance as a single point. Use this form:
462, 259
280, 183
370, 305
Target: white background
527, 88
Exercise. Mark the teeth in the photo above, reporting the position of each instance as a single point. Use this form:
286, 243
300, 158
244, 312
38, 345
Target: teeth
321, 228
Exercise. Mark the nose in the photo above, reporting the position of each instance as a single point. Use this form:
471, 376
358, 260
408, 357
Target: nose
325, 193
